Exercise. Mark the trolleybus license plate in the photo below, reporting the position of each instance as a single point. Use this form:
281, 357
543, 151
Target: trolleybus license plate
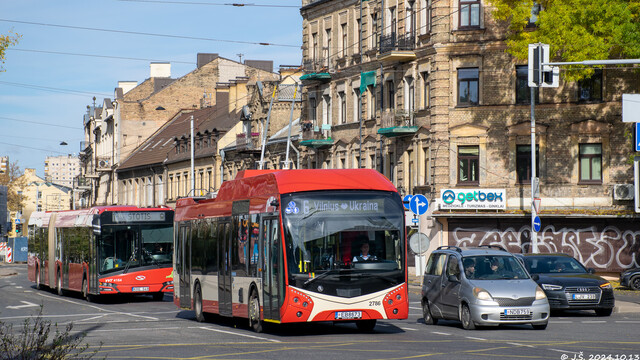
140, 288
348, 315
517, 312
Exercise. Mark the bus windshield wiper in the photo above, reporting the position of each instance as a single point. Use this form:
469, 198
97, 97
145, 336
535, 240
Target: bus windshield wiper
322, 276
131, 258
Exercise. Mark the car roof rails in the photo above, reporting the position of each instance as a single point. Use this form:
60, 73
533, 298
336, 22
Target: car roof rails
497, 247
449, 247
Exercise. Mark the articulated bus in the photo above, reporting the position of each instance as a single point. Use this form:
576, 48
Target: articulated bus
283, 246
102, 251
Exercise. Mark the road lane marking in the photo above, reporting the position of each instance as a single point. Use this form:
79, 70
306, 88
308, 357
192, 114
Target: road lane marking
233, 333
409, 329
440, 333
594, 321
475, 338
27, 304
628, 321
97, 307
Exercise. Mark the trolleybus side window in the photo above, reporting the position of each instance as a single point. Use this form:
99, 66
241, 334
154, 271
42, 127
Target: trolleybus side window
211, 251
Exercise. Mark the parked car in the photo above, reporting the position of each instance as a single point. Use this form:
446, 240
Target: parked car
568, 284
481, 286
630, 278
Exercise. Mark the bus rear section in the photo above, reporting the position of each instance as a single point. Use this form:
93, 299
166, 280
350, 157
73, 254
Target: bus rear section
104, 250
294, 257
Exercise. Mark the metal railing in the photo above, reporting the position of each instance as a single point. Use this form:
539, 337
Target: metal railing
399, 42
393, 118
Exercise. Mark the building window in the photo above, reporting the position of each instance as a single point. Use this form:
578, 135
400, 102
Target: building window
535, 11
469, 13
409, 95
523, 163
327, 53
345, 46
468, 165
372, 102
357, 105
590, 163
426, 90
374, 31
359, 29
391, 95
313, 108
468, 86
343, 107
591, 89
410, 18
314, 48
523, 91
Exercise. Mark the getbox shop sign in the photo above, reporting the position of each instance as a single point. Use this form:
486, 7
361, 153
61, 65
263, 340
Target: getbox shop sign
484, 199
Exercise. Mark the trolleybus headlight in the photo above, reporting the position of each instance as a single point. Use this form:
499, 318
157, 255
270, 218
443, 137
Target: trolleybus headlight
299, 314
296, 300
390, 301
395, 311
398, 297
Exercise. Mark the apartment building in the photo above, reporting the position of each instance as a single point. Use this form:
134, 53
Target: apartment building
61, 170
424, 92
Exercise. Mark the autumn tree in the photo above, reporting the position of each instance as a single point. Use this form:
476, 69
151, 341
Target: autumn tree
5, 41
15, 183
576, 30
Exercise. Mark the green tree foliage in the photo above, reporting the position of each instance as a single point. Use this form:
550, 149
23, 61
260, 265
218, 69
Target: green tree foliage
36, 340
5, 41
16, 184
576, 30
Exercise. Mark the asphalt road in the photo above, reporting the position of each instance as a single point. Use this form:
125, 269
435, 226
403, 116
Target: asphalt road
140, 328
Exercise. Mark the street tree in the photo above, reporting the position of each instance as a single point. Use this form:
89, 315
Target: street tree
7, 40
576, 30
16, 184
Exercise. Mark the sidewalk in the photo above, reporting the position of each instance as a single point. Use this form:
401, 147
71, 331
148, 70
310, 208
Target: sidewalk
622, 306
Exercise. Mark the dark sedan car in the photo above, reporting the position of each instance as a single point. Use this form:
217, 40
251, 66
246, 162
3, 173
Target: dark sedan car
568, 284
630, 278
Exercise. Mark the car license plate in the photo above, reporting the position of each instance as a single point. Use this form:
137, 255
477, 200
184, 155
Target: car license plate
584, 296
509, 312
140, 288
348, 315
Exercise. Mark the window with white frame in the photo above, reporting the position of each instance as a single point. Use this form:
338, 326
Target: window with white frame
342, 116
344, 46
426, 90
357, 104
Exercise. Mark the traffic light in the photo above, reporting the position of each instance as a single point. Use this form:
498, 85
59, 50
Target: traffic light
18, 228
541, 75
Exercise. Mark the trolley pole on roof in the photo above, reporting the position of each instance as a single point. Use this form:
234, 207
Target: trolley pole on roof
266, 128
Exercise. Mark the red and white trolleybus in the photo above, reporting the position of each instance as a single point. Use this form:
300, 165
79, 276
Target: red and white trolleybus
283, 246
103, 250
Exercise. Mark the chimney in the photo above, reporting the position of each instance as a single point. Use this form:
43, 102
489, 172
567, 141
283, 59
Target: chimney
160, 69
127, 85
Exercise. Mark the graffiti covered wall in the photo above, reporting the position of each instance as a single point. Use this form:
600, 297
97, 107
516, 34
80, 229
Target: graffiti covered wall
609, 245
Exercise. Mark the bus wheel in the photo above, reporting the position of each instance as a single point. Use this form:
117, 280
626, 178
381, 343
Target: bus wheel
159, 296
366, 325
254, 312
197, 303
60, 292
38, 286
85, 290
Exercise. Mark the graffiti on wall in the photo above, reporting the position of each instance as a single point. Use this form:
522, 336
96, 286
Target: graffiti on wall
604, 248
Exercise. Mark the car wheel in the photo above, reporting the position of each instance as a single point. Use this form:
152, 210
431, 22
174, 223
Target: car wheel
426, 314
539, 326
366, 325
197, 303
604, 312
254, 312
634, 282
465, 318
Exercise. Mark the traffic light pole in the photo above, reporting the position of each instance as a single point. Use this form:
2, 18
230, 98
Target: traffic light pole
534, 233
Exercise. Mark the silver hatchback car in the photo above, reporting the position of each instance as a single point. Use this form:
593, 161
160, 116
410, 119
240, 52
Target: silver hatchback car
484, 286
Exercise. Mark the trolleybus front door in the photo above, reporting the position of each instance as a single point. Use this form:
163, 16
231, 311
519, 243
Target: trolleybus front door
183, 266
224, 274
272, 276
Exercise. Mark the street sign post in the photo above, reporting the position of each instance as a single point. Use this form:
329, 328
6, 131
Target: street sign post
637, 138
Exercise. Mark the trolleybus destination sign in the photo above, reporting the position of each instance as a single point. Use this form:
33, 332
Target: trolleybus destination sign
135, 216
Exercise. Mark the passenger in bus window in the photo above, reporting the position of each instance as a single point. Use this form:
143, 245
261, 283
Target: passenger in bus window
364, 253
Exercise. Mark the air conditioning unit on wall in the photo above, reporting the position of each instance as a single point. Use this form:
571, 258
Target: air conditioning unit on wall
103, 163
623, 191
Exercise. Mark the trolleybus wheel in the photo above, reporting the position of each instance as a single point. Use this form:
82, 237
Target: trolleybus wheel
38, 285
60, 292
197, 303
85, 290
254, 312
366, 325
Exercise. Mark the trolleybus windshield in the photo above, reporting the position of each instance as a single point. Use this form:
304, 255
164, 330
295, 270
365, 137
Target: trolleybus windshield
132, 246
326, 233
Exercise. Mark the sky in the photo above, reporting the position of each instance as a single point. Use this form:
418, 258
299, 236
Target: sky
73, 50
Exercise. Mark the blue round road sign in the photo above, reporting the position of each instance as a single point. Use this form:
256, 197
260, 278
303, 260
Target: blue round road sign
405, 201
536, 223
419, 204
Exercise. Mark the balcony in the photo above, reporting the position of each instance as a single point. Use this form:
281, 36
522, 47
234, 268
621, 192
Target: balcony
398, 123
397, 48
250, 144
82, 183
316, 137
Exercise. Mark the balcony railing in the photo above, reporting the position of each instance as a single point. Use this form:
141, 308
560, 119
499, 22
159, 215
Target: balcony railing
250, 143
398, 118
397, 42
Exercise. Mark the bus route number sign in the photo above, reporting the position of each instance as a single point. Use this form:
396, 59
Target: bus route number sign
137, 216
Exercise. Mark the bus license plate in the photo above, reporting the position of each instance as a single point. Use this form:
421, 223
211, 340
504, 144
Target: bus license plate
140, 288
343, 315
517, 312
584, 296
